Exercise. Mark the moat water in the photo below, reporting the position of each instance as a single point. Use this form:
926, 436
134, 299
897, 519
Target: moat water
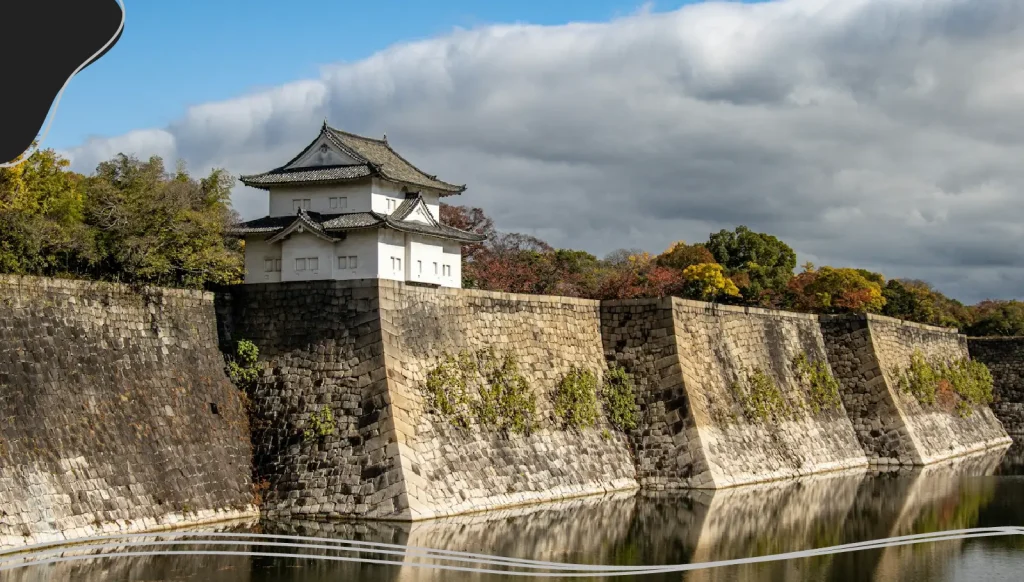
645, 529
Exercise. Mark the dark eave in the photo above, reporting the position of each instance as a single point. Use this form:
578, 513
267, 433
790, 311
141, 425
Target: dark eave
328, 225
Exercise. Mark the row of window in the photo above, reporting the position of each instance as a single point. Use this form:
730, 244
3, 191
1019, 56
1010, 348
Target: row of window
396, 265
348, 262
310, 264
336, 203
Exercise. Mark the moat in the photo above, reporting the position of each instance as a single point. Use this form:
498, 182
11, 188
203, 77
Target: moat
636, 529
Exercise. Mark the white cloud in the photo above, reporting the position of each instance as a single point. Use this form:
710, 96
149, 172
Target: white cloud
882, 134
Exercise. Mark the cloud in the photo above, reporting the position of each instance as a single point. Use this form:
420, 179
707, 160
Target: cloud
881, 134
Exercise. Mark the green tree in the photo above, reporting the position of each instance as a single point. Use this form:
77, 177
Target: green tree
917, 301
159, 228
766, 261
836, 290
997, 318
681, 255
41, 229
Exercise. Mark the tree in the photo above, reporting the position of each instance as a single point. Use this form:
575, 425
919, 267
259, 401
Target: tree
41, 230
832, 290
156, 228
681, 255
997, 318
470, 220
766, 261
707, 282
917, 301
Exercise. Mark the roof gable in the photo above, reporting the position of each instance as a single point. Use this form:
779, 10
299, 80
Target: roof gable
322, 152
414, 209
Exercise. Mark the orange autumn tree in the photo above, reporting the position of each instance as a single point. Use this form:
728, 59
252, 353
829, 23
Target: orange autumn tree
836, 290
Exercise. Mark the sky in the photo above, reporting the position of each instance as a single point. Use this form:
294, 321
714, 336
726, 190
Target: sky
880, 134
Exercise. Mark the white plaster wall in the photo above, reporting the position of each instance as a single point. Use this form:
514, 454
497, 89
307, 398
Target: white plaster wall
391, 244
306, 246
432, 201
257, 250
358, 195
361, 244
384, 190
424, 254
452, 256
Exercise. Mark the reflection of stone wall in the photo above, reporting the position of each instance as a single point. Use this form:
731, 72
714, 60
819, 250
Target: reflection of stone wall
892, 425
686, 356
1004, 357
115, 412
143, 568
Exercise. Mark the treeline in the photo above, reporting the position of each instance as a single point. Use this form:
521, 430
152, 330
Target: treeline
131, 221
739, 267
136, 222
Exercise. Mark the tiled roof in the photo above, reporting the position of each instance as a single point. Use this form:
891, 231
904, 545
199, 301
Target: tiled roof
339, 223
390, 164
306, 175
376, 157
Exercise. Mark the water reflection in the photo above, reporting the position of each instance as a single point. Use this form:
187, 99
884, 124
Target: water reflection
650, 529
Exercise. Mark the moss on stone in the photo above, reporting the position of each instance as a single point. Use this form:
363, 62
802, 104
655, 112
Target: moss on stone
576, 399
619, 398
821, 385
760, 397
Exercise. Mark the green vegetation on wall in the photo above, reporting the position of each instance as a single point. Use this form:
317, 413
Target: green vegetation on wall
958, 385
242, 365
321, 424
503, 396
820, 383
576, 399
619, 398
760, 397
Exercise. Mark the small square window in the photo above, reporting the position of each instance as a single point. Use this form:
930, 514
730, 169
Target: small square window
314, 263
334, 202
300, 264
419, 267
399, 264
305, 203
296, 205
352, 264
342, 262
343, 203
277, 264
268, 265
435, 268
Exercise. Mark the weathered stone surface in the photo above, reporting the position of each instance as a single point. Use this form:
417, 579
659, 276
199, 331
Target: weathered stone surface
1004, 357
893, 425
107, 419
363, 349
693, 433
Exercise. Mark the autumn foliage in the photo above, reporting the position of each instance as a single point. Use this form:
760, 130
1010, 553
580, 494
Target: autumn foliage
740, 267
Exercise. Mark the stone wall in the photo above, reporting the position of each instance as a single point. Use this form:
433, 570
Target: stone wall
687, 357
935, 432
363, 349
1004, 357
115, 412
867, 397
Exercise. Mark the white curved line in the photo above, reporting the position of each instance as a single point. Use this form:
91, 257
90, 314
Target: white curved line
590, 570
56, 102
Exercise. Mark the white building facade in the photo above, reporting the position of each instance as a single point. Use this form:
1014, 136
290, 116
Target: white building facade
350, 207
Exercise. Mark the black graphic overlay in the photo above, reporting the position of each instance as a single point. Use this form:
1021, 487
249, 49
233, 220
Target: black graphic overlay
44, 42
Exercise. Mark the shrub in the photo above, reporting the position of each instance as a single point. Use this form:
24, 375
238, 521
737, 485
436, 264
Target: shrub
447, 384
576, 399
969, 380
821, 384
321, 424
619, 399
242, 365
760, 397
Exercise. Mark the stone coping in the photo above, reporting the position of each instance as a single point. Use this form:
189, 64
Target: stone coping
29, 281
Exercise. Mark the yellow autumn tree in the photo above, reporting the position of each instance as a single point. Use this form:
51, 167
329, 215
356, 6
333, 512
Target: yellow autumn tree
707, 281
